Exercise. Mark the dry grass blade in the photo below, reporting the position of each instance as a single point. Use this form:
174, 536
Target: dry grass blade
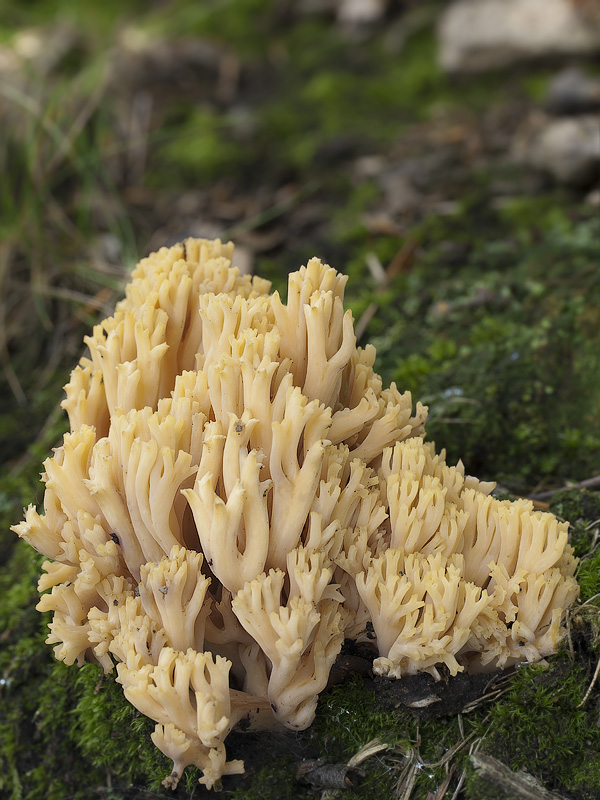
383, 278
440, 793
138, 137
499, 688
407, 780
65, 146
276, 210
472, 749
591, 686
49, 269
9, 372
370, 749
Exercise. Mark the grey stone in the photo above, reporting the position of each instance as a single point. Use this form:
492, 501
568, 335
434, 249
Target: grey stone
476, 35
573, 92
567, 148
361, 12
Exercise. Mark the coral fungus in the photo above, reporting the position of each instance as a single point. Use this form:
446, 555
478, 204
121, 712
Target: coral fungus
238, 493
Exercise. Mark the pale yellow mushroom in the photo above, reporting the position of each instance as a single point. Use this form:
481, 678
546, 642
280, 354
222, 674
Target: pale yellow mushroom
532, 605
511, 534
422, 611
234, 530
67, 470
135, 479
188, 695
72, 602
301, 637
238, 493
330, 342
85, 400
190, 692
305, 287
185, 750
136, 639
40, 530
173, 594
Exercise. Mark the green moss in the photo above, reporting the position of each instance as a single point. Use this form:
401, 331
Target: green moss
588, 577
579, 507
244, 25
582, 509
351, 716
483, 333
345, 99
37, 757
275, 782
538, 726
64, 731
101, 714
94, 18
198, 147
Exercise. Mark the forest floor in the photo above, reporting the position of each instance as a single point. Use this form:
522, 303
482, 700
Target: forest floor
472, 268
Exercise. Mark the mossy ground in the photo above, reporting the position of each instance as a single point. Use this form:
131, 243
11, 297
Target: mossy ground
491, 319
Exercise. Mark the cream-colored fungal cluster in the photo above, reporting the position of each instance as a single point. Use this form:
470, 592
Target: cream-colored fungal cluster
238, 493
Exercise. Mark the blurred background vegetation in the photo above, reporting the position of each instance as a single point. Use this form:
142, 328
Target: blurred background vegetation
296, 129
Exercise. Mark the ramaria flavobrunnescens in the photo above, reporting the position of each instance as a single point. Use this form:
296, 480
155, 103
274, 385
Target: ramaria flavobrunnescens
238, 494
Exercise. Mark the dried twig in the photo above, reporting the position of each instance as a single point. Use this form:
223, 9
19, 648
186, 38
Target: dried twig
588, 483
321, 775
520, 785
